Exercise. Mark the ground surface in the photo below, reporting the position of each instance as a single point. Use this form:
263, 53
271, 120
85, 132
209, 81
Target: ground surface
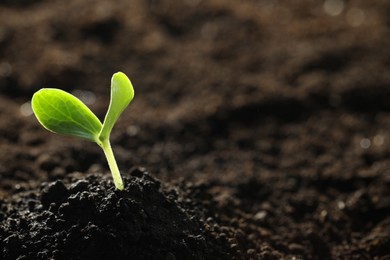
270, 120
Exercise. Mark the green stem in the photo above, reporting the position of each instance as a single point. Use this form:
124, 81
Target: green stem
112, 164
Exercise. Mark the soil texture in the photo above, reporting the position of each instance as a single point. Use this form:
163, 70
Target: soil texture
260, 129
89, 219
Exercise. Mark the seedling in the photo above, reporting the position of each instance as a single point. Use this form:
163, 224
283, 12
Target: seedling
62, 113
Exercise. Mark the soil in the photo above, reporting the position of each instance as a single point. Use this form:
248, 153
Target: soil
260, 129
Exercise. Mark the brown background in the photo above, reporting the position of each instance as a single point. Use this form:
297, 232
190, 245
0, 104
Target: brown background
281, 107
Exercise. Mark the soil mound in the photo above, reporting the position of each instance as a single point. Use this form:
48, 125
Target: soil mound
89, 219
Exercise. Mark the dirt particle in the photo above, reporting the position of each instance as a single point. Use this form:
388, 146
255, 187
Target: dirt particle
54, 193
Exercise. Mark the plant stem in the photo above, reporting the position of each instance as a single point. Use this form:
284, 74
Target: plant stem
112, 164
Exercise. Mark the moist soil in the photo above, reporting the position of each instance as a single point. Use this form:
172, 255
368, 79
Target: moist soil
259, 130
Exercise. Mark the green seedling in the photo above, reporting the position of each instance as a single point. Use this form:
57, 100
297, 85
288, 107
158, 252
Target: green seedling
62, 113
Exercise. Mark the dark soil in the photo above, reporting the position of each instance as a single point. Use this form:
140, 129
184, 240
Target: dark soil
266, 122
89, 219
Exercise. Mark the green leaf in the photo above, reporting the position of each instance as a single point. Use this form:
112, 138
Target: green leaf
63, 113
122, 93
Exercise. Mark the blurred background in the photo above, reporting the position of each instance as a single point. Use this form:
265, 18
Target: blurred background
223, 88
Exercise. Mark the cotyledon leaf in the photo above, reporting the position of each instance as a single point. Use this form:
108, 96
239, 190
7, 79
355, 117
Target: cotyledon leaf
122, 93
63, 113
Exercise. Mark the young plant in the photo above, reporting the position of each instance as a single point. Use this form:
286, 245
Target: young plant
62, 113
